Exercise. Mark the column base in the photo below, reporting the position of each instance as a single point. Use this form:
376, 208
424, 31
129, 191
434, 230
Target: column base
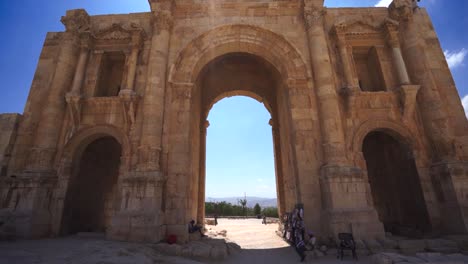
346, 198
450, 180
137, 227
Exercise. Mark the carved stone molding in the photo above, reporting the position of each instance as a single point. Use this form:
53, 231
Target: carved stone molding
313, 15
129, 101
114, 32
133, 33
408, 97
76, 21
74, 110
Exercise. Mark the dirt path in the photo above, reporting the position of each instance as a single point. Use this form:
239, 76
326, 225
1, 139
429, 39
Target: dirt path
260, 244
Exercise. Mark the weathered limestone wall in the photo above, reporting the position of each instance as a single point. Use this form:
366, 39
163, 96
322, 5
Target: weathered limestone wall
8, 131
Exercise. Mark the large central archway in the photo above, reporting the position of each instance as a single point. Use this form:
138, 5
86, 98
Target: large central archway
240, 74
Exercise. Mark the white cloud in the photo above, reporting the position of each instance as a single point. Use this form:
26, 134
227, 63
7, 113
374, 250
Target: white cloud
455, 58
465, 104
383, 3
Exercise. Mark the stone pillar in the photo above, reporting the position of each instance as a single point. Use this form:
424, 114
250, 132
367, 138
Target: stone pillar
449, 176
141, 218
153, 102
202, 177
343, 187
343, 47
44, 148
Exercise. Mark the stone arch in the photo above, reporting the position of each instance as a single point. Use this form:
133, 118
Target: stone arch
239, 93
394, 129
238, 38
87, 135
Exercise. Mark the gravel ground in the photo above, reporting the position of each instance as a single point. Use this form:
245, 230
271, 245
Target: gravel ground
259, 244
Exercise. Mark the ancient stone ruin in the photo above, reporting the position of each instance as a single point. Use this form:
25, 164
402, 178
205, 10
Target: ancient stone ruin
369, 132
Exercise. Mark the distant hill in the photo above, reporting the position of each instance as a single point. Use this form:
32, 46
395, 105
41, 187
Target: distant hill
251, 201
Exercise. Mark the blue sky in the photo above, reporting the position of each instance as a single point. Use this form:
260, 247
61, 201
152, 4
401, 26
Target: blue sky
239, 125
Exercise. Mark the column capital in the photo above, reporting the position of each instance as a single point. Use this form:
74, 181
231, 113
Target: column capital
391, 29
162, 16
137, 39
339, 30
313, 14
86, 41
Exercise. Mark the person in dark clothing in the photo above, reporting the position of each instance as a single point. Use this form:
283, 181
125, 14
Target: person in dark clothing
300, 249
192, 228
264, 220
216, 220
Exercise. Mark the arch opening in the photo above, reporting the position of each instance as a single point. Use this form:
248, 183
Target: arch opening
241, 74
90, 199
395, 184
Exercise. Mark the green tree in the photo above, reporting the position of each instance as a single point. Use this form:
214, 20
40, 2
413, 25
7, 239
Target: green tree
270, 212
257, 209
243, 203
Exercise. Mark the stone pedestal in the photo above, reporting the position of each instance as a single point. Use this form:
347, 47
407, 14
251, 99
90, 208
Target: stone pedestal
26, 207
140, 216
347, 206
451, 182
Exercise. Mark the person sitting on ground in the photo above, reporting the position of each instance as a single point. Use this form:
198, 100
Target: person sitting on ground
310, 245
192, 228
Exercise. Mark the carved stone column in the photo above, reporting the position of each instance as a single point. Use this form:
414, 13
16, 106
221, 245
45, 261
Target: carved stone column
398, 61
339, 182
153, 102
47, 134
202, 177
73, 97
127, 95
331, 124
350, 87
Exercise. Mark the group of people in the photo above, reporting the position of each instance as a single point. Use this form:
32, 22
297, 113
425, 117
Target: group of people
294, 232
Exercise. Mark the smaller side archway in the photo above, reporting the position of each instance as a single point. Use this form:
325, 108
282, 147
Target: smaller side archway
92, 187
89, 174
395, 183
